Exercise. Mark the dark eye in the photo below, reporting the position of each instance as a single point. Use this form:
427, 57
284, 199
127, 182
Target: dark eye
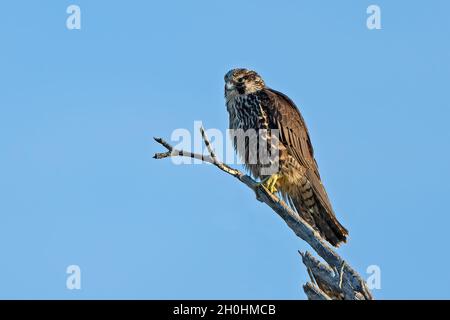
241, 79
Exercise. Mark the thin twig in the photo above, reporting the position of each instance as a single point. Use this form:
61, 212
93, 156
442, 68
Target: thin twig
208, 145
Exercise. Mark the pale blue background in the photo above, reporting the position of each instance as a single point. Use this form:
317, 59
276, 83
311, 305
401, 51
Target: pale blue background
78, 110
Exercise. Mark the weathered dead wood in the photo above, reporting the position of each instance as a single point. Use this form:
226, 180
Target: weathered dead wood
334, 279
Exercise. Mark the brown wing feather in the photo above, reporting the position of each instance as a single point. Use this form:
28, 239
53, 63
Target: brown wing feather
285, 116
295, 136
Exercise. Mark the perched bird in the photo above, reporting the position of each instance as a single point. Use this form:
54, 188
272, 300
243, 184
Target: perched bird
253, 105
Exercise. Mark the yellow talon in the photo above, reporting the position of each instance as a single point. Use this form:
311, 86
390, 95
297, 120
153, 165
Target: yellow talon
270, 182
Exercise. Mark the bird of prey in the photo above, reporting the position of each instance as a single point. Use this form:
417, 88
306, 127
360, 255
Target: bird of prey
253, 105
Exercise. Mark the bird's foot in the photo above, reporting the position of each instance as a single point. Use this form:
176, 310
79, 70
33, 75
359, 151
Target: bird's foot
270, 182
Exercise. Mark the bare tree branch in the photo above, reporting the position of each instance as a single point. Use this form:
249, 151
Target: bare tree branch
346, 283
313, 292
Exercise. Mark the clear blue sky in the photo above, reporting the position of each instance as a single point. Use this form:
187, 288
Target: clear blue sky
78, 110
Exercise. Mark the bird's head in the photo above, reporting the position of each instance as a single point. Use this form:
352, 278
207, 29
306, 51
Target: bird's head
242, 81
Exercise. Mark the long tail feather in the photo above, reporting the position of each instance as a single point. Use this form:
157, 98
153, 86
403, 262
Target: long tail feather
308, 205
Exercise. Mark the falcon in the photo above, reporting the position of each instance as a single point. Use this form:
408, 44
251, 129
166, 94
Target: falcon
252, 105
